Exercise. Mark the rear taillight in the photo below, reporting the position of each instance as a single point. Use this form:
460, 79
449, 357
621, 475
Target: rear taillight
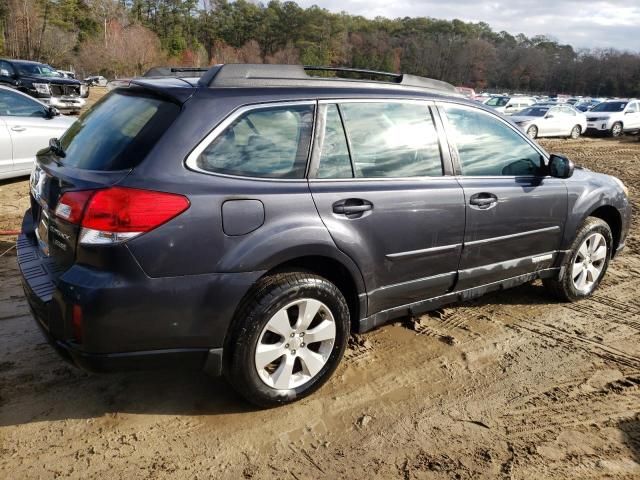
71, 205
117, 214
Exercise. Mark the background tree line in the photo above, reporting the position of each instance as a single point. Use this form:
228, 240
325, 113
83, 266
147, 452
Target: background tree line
126, 37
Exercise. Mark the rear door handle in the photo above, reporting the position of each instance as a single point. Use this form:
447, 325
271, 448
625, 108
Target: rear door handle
352, 207
483, 200
18, 129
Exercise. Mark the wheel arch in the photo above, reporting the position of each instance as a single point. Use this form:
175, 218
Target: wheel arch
621, 126
331, 264
612, 217
337, 273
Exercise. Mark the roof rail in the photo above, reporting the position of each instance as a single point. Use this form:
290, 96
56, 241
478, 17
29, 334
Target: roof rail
261, 75
174, 71
395, 76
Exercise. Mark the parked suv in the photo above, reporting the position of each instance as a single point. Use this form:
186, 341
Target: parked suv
509, 105
44, 83
247, 221
614, 117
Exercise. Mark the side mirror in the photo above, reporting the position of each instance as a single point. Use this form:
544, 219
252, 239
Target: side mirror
548, 115
560, 166
52, 112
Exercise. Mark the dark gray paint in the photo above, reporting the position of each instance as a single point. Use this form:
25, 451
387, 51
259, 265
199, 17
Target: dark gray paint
408, 215
178, 286
240, 217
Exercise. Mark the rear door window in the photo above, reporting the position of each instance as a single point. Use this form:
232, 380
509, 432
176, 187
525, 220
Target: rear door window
265, 142
334, 151
392, 139
118, 131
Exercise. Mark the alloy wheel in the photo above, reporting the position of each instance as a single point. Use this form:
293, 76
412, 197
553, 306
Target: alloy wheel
589, 263
575, 132
616, 131
295, 344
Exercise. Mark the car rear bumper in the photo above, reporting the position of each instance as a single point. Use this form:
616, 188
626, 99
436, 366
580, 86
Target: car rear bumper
129, 324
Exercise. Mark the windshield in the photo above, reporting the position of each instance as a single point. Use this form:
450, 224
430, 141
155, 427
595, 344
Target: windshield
534, 112
497, 101
609, 107
117, 132
37, 69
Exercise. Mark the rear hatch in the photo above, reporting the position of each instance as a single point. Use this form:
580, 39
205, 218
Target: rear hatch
97, 152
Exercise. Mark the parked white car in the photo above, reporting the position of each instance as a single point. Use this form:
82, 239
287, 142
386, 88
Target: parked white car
26, 125
551, 121
509, 105
614, 117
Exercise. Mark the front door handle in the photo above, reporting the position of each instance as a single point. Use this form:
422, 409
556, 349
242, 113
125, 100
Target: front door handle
483, 201
352, 207
18, 129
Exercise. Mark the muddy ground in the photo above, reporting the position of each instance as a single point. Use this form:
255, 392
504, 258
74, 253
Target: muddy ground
513, 385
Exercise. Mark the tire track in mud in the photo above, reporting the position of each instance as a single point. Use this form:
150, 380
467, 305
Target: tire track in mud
608, 310
576, 342
561, 407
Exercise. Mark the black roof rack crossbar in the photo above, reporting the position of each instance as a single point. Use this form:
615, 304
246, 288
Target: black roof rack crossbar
269, 75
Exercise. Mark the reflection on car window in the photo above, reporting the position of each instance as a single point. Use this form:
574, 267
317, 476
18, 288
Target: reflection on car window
117, 132
534, 112
267, 142
37, 69
488, 147
334, 156
392, 140
16, 105
497, 101
609, 107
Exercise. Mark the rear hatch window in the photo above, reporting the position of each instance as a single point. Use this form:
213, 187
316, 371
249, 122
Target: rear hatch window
118, 131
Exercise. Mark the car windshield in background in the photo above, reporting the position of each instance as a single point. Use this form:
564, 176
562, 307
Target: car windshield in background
38, 70
497, 101
117, 132
609, 107
534, 112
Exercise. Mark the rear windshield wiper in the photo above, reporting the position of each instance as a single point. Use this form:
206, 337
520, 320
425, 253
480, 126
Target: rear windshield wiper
55, 147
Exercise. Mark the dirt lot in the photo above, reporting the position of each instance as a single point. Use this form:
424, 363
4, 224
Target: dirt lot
510, 386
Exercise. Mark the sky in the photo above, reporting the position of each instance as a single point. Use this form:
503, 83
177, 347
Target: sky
583, 24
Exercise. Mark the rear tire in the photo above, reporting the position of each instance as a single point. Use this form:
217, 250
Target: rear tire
575, 132
271, 323
532, 132
586, 264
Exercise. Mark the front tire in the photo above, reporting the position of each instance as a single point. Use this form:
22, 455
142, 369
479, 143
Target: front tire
287, 338
585, 266
532, 132
616, 130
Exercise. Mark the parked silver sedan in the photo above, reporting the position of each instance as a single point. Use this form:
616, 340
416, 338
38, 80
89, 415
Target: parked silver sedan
551, 121
26, 125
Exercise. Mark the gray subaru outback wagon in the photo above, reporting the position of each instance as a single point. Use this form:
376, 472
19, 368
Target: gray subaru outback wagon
245, 222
